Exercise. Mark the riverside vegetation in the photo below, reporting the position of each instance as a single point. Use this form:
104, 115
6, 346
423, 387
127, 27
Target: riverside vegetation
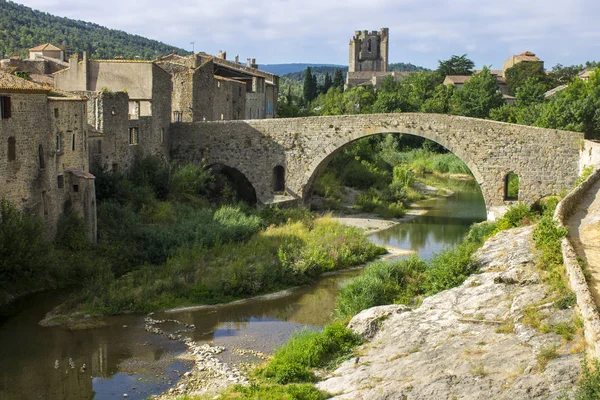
389, 172
293, 366
162, 244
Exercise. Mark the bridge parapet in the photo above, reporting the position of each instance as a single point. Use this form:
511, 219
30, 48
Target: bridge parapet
546, 160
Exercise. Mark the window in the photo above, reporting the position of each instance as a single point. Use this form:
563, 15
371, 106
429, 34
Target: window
278, 179
369, 45
60, 180
56, 113
72, 142
177, 116
45, 202
162, 135
41, 156
133, 136
511, 187
4, 107
115, 168
76, 188
12, 149
58, 143
99, 148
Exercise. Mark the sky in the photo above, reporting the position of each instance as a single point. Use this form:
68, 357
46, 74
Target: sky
422, 32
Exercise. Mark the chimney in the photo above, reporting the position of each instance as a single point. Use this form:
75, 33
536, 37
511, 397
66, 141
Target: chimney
237, 59
248, 63
254, 65
222, 55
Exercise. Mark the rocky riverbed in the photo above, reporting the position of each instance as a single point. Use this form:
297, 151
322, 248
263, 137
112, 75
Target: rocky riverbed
495, 336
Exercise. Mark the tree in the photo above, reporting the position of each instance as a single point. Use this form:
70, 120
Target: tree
440, 102
519, 73
561, 75
328, 82
310, 86
338, 79
478, 96
456, 65
531, 92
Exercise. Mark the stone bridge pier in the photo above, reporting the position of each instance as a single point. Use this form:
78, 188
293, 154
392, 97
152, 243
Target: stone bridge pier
287, 155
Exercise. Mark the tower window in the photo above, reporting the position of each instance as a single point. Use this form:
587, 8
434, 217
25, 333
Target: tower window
4, 107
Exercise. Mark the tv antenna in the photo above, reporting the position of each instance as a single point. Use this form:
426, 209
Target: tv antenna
192, 43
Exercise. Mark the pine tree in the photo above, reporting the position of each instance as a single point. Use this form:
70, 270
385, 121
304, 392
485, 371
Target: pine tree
314, 87
338, 79
307, 91
328, 82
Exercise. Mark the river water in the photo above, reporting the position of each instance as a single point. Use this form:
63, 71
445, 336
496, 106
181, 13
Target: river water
121, 357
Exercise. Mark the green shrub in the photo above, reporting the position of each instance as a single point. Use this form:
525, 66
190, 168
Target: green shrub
588, 387
403, 176
26, 255
450, 269
189, 182
311, 349
266, 391
381, 283
587, 171
328, 185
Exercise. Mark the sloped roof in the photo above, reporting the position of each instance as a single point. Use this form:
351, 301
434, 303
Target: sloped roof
14, 83
45, 46
457, 79
527, 56
552, 92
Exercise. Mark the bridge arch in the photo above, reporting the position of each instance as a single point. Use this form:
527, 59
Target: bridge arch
314, 172
546, 160
237, 179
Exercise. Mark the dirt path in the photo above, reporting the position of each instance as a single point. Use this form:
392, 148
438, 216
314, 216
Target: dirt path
584, 233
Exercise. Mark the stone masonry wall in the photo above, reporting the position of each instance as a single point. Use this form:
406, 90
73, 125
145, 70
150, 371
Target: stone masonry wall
545, 160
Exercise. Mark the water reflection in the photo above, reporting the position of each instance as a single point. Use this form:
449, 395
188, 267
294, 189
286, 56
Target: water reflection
445, 224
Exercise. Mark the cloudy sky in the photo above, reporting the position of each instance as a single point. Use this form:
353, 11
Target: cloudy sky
318, 31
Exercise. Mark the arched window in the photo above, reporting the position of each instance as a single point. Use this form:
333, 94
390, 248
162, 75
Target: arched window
12, 149
511, 186
41, 156
278, 179
369, 45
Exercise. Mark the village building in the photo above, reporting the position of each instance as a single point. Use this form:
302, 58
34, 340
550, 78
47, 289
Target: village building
128, 107
44, 153
209, 88
43, 60
458, 82
526, 56
368, 59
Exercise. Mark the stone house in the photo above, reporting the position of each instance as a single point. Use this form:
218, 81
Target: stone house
458, 82
208, 88
526, 56
44, 153
128, 107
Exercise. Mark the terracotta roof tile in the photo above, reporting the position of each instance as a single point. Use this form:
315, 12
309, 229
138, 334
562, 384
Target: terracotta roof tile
45, 46
13, 82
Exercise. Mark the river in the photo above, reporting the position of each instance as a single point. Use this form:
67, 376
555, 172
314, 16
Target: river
121, 357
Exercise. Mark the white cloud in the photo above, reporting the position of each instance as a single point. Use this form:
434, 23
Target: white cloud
319, 30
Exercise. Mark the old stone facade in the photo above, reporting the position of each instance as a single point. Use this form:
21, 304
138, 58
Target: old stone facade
208, 88
368, 60
128, 107
44, 153
298, 149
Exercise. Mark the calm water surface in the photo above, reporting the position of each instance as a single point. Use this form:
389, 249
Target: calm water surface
121, 357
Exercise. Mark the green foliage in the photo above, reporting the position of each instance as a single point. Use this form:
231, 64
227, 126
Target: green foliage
547, 237
72, 233
213, 268
519, 74
329, 185
310, 349
515, 216
189, 182
588, 387
456, 65
24, 28
309, 90
478, 96
338, 79
267, 391
26, 255
531, 92
587, 171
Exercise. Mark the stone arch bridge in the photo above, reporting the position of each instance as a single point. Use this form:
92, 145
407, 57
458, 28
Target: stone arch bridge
298, 149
